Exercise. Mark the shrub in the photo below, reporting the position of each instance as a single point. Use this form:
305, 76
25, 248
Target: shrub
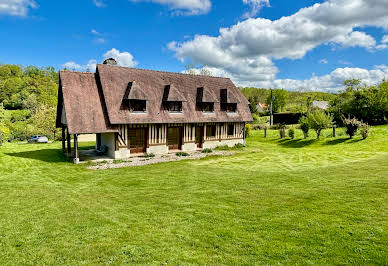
4, 134
182, 154
291, 133
149, 155
282, 131
207, 150
238, 146
365, 130
319, 120
351, 126
248, 130
304, 126
222, 148
118, 161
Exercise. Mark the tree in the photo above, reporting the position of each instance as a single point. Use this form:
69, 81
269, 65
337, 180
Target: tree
352, 126
280, 100
4, 131
366, 103
253, 102
304, 126
319, 120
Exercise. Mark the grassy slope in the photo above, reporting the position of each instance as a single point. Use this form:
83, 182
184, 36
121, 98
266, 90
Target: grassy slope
288, 201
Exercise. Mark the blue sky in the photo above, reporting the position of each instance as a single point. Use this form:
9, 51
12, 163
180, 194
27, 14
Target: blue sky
304, 44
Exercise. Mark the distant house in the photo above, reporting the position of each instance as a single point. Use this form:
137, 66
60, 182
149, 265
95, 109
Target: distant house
261, 107
134, 111
321, 104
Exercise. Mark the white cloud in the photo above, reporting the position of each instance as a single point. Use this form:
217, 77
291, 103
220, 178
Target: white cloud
100, 40
256, 6
94, 32
238, 50
99, 3
122, 58
356, 38
16, 7
334, 81
384, 43
184, 7
323, 61
72, 66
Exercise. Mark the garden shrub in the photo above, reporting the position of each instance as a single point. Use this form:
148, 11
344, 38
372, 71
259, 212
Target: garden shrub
182, 154
304, 126
365, 130
291, 133
207, 150
248, 130
238, 146
149, 155
282, 131
351, 126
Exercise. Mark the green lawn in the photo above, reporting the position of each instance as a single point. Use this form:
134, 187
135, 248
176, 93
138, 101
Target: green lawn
289, 202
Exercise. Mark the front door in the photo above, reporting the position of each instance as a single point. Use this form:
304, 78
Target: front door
137, 140
174, 138
199, 132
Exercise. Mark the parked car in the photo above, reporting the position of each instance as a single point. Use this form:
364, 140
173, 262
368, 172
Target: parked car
38, 139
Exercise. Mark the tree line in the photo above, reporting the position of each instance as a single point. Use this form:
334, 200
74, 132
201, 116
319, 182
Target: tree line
28, 98
368, 104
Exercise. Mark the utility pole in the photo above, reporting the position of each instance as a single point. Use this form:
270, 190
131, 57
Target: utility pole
270, 110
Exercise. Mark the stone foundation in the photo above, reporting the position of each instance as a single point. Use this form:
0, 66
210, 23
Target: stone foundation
158, 149
187, 147
108, 139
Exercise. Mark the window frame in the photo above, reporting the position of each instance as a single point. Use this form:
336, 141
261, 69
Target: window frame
202, 106
132, 103
230, 128
226, 107
213, 134
168, 104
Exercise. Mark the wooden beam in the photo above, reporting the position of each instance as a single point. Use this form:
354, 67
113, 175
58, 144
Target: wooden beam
68, 142
63, 139
76, 156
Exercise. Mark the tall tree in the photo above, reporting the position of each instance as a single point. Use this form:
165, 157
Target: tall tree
280, 100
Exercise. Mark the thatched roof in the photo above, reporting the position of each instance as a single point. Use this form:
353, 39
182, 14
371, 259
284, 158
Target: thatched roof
96, 102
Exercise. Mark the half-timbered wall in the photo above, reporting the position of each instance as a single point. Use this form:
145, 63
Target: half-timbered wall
222, 131
122, 136
189, 133
157, 134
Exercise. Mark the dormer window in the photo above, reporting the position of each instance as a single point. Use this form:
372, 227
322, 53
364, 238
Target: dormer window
205, 100
135, 98
173, 99
206, 107
173, 107
228, 101
138, 106
229, 107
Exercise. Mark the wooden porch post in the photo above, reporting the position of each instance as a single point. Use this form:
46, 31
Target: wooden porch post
68, 141
76, 159
63, 140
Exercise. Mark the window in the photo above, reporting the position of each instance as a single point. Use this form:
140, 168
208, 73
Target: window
229, 107
230, 129
211, 131
138, 106
206, 107
174, 107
